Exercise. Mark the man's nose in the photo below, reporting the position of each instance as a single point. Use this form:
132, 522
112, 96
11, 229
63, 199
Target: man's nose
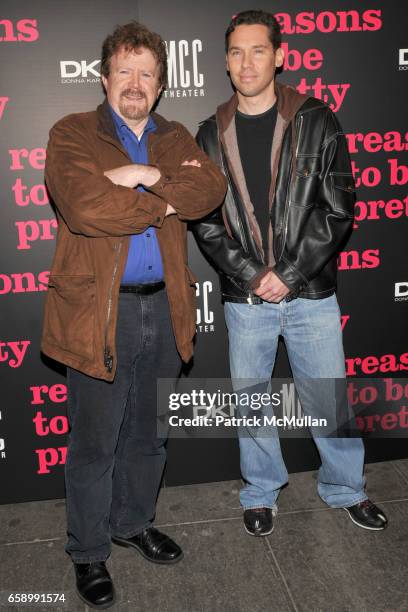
135, 80
246, 60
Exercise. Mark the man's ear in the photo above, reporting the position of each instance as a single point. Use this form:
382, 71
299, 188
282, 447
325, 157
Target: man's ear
279, 57
104, 82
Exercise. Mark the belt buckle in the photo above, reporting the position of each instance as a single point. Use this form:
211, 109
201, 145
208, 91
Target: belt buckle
143, 288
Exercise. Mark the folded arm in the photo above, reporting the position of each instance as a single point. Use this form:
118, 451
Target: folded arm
90, 203
192, 189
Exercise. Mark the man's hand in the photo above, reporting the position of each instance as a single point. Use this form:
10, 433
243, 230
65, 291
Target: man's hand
150, 175
271, 288
133, 175
193, 162
170, 210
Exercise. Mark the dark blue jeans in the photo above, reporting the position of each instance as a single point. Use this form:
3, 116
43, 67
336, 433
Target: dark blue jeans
115, 460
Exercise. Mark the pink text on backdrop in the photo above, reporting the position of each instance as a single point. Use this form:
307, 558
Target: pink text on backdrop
24, 282
13, 352
24, 30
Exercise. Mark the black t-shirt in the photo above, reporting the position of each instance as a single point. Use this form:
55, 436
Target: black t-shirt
254, 135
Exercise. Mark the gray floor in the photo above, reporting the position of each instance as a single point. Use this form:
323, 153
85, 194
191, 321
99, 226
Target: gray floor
315, 560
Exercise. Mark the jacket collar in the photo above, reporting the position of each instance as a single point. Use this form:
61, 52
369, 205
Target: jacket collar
288, 101
106, 125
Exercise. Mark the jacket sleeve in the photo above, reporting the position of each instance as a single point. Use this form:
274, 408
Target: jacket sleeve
192, 191
224, 253
87, 200
329, 223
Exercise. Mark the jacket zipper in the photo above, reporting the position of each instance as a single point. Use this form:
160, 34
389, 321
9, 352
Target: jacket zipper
242, 233
286, 212
108, 357
299, 134
249, 299
230, 183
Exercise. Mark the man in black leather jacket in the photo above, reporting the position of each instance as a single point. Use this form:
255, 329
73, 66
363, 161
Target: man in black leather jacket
287, 212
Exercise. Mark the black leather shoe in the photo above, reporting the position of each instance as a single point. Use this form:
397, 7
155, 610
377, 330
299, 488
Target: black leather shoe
367, 515
258, 521
94, 585
153, 546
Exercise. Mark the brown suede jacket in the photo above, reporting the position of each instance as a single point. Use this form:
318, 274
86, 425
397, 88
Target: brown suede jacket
95, 221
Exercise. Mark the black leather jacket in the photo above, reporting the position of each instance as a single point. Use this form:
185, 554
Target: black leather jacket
311, 202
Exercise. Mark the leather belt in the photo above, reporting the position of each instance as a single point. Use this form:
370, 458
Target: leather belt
143, 288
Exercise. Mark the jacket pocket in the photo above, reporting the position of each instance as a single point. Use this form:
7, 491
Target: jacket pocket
343, 192
306, 180
70, 313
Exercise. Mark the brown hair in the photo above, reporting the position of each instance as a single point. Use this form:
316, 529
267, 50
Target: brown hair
131, 37
256, 18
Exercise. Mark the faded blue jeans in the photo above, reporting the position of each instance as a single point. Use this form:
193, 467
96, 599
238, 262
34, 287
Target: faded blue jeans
313, 337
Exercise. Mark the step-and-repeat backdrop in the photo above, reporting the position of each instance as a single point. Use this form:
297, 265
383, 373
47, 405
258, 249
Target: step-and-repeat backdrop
352, 55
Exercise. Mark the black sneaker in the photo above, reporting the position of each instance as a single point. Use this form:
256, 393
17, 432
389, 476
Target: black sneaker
367, 515
258, 521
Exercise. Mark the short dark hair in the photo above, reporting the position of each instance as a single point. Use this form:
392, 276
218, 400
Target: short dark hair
256, 18
132, 37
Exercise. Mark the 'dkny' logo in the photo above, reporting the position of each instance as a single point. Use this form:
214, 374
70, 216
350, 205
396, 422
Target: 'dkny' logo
403, 59
401, 292
79, 72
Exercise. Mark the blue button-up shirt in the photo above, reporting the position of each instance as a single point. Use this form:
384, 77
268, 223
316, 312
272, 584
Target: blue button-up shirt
144, 263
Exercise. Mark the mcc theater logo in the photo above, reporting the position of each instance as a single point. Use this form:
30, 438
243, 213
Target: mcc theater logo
205, 316
185, 80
